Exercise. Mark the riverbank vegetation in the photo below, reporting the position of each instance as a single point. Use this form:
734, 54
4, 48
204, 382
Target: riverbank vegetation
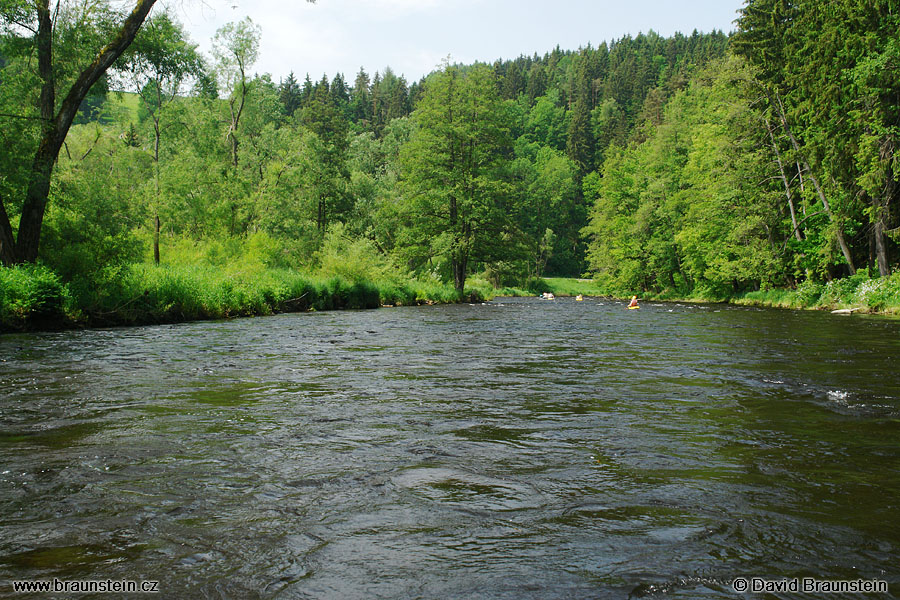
33, 297
758, 166
775, 167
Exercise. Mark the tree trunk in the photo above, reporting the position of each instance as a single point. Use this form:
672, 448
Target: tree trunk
156, 241
56, 127
156, 176
871, 238
883, 210
845, 249
787, 185
881, 255
459, 266
42, 166
7, 240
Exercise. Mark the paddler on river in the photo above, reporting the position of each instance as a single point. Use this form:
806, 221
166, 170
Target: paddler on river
633, 303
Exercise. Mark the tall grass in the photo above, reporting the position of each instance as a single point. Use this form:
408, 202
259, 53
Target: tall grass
35, 298
196, 292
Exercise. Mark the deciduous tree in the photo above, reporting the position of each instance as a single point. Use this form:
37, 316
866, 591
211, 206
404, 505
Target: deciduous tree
454, 171
55, 118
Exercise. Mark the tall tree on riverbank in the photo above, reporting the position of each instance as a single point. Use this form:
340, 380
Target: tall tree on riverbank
55, 119
454, 171
236, 48
830, 72
159, 63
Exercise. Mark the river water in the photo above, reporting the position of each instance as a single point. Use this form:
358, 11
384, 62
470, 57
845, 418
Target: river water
517, 449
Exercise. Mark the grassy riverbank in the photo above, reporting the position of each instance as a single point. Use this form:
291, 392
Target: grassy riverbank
861, 293
33, 297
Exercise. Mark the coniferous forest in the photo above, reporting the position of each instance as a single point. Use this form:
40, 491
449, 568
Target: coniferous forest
141, 180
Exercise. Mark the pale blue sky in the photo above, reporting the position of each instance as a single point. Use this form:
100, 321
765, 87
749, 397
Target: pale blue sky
412, 36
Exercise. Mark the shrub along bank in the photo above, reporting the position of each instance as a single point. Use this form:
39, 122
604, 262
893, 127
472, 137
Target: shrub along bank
33, 297
860, 292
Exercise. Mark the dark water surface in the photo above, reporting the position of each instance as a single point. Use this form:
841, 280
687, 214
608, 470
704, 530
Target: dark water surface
518, 449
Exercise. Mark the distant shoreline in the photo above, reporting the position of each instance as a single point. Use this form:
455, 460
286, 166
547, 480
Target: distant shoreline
189, 294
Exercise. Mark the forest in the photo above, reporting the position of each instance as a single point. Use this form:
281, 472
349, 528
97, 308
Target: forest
142, 181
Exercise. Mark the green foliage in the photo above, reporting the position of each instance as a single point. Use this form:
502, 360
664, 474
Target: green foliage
454, 176
236, 48
96, 204
355, 260
683, 210
537, 285
830, 79
859, 292
146, 293
547, 209
657, 164
32, 295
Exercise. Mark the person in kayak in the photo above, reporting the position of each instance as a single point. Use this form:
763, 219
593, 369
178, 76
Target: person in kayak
633, 302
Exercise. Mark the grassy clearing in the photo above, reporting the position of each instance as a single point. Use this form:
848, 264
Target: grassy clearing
558, 286
562, 286
123, 107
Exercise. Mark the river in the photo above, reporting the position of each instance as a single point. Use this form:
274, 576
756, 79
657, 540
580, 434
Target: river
520, 448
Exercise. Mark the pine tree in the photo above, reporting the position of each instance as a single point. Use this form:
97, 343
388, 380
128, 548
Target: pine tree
360, 98
289, 94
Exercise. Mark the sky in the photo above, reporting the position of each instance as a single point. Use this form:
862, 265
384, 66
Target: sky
414, 36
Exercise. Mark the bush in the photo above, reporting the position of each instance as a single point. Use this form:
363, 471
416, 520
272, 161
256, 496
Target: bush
841, 291
882, 294
352, 259
809, 293
537, 285
32, 295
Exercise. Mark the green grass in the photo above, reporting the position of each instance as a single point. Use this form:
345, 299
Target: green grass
123, 107
35, 298
558, 286
867, 294
169, 293
562, 286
